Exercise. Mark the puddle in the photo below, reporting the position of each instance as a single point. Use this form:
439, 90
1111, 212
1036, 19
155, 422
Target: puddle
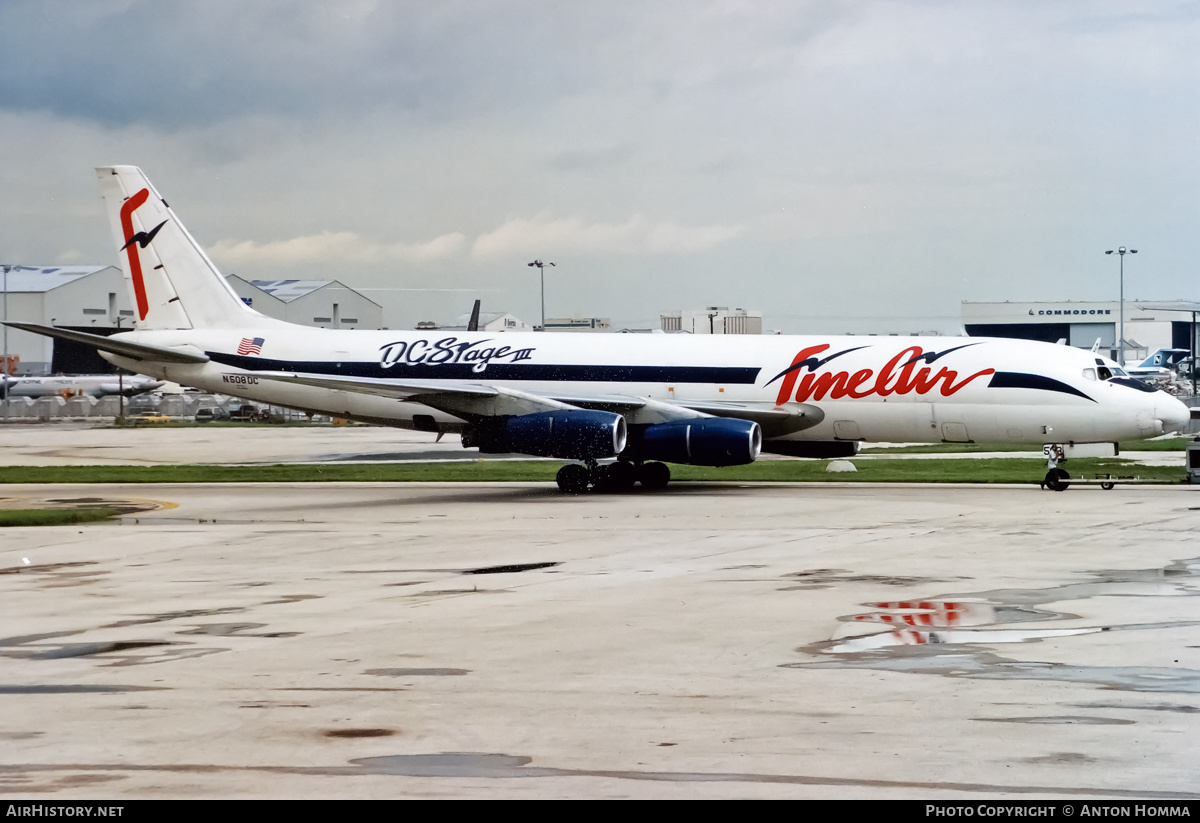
827, 578
454, 764
517, 567
953, 636
1074, 758
122, 506
46, 567
1155, 707
69, 650
235, 630
359, 733
21, 640
483, 765
78, 689
441, 592
166, 616
1066, 720
418, 672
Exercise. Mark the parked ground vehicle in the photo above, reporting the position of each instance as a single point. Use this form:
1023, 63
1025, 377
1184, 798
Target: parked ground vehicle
248, 413
210, 413
145, 418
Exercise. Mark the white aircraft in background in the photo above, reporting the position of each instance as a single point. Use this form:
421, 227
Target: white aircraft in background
90, 385
638, 400
1159, 364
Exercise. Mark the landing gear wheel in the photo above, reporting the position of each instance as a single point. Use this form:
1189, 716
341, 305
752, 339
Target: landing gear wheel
655, 476
1107, 485
620, 476
573, 479
1056, 480
601, 478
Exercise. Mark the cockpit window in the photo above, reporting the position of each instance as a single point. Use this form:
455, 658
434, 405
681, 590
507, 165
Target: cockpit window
1119, 372
1089, 374
1104, 372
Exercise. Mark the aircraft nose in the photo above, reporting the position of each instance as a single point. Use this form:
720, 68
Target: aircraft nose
1174, 415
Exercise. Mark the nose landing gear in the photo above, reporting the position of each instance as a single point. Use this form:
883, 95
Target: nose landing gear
1056, 478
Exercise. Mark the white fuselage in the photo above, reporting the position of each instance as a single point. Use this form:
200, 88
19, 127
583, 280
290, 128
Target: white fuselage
900, 389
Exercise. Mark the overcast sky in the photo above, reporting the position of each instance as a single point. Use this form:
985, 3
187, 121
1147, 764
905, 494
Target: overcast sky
842, 166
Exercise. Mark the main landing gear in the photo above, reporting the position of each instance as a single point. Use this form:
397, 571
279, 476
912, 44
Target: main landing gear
620, 476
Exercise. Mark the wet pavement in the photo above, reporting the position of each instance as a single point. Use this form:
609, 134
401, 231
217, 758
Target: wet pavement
502, 640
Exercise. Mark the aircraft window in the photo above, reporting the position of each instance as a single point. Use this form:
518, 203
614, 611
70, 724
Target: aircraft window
1119, 372
1090, 374
1099, 362
1104, 372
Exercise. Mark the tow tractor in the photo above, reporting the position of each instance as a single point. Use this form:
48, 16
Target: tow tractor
1057, 479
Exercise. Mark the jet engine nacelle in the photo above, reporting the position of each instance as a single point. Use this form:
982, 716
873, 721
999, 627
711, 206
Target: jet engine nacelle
703, 441
812, 448
570, 434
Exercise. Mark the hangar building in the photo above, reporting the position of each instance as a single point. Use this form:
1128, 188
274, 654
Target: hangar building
713, 320
328, 304
84, 298
1149, 324
95, 299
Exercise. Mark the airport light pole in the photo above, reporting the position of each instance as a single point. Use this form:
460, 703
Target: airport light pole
120, 383
542, 270
1121, 342
7, 268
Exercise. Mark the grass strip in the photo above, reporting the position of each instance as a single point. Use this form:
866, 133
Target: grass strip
899, 470
1173, 444
53, 517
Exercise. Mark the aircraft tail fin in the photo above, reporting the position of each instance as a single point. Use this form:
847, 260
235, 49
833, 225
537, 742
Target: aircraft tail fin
171, 280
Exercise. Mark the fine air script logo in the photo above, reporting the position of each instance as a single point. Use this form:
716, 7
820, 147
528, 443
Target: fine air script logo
898, 376
449, 350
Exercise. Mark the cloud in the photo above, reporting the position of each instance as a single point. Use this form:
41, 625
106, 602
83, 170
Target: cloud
539, 235
638, 235
333, 247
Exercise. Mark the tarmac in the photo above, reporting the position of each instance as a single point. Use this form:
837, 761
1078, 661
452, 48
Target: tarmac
501, 640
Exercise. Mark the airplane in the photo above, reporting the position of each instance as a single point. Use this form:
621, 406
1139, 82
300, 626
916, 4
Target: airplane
1159, 364
88, 385
620, 407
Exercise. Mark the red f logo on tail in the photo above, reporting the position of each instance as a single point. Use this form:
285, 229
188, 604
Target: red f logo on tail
131, 248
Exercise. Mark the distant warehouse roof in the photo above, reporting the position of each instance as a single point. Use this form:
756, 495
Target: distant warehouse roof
45, 278
289, 290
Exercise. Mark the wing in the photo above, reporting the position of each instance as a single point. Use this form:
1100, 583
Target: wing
475, 400
467, 400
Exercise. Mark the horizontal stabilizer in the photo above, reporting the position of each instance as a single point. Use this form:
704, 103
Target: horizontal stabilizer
124, 348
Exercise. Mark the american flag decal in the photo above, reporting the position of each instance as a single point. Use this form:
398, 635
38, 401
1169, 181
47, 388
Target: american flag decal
248, 346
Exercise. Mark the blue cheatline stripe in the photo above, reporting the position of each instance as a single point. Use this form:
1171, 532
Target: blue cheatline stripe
1016, 380
728, 375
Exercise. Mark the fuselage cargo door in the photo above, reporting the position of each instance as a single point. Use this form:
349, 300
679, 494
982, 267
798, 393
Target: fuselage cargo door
955, 433
846, 430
